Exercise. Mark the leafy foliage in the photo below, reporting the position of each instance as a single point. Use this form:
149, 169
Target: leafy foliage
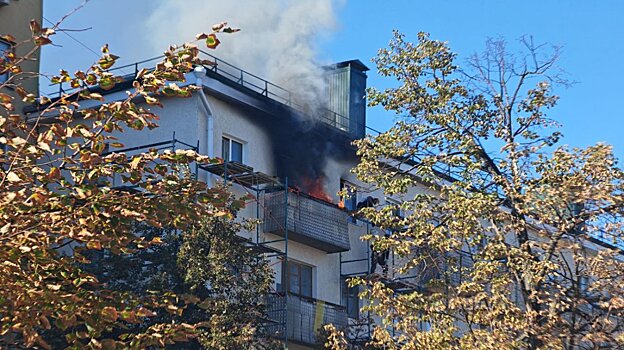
59, 212
513, 235
222, 282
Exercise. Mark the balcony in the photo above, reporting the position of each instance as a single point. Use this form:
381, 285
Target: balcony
311, 221
301, 318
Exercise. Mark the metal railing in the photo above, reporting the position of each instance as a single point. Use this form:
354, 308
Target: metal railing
117, 181
236, 75
302, 318
251, 81
273, 91
311, 221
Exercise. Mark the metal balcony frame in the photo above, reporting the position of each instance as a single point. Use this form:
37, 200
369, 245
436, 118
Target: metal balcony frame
313, 222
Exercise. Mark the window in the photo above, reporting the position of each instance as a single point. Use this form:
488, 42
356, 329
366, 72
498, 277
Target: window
583, 283
350, 200
397, 212
424, 326
398, 215
298, 278
351, 300
4, 48
231, 150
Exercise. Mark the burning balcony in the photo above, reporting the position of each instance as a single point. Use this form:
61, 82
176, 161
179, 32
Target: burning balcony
301, 318
311, 221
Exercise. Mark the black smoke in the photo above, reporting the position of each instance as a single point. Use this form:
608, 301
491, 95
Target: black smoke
303, 145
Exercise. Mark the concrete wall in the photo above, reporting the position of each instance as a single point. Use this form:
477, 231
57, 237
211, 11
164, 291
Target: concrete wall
184, 117
236, 123
179, 116
14, 20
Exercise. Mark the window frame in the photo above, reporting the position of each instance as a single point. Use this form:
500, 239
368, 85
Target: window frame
286, 278
227, 154
351, 299
396, 207
349, 201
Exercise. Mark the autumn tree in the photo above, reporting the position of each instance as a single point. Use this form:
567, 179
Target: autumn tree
516, 229
222, 281
62, 222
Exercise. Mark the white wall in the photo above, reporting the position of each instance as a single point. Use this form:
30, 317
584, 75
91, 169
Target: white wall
232, 121
183, 117
179, 115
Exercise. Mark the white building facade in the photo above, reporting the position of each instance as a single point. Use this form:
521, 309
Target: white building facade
294, 164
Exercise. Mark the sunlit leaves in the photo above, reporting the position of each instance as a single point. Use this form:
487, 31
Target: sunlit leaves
60, 206
41, 36
212, 42
107, 61
8, 37
500, 231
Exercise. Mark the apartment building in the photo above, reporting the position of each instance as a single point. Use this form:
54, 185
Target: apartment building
15, 16
293, 160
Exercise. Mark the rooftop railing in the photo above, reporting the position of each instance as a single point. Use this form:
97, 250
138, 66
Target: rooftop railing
233, 74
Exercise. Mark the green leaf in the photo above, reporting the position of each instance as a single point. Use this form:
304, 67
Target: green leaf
107, 83
42, 40
212, 42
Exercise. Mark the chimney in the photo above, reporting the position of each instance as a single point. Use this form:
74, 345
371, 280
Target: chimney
346, 90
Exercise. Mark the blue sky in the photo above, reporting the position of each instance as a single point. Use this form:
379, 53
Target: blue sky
591, 33
592, 40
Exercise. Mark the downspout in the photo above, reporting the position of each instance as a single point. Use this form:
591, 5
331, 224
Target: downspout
205, 123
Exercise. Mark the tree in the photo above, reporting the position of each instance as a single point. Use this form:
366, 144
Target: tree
223, 281
513, 226
59, 210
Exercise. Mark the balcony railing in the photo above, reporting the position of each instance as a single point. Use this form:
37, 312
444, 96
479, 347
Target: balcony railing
301, 318
310, 221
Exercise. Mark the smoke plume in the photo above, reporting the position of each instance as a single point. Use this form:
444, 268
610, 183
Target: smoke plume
278, 40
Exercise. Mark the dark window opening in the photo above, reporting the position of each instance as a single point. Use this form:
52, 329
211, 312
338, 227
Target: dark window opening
297, 278
231, 150
350, 199
351, 300
397, 212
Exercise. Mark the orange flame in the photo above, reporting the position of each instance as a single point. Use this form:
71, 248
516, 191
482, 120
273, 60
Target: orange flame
314, 187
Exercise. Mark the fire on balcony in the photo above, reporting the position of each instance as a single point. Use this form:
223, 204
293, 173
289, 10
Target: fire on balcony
310, 220
315, 188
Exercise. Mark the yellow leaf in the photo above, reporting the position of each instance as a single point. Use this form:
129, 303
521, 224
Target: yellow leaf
11, 176
143, 312
45, 322
44, 146
94, 245
5, 228
135, 162
110, 313
54, 286
17, 141
54, 173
